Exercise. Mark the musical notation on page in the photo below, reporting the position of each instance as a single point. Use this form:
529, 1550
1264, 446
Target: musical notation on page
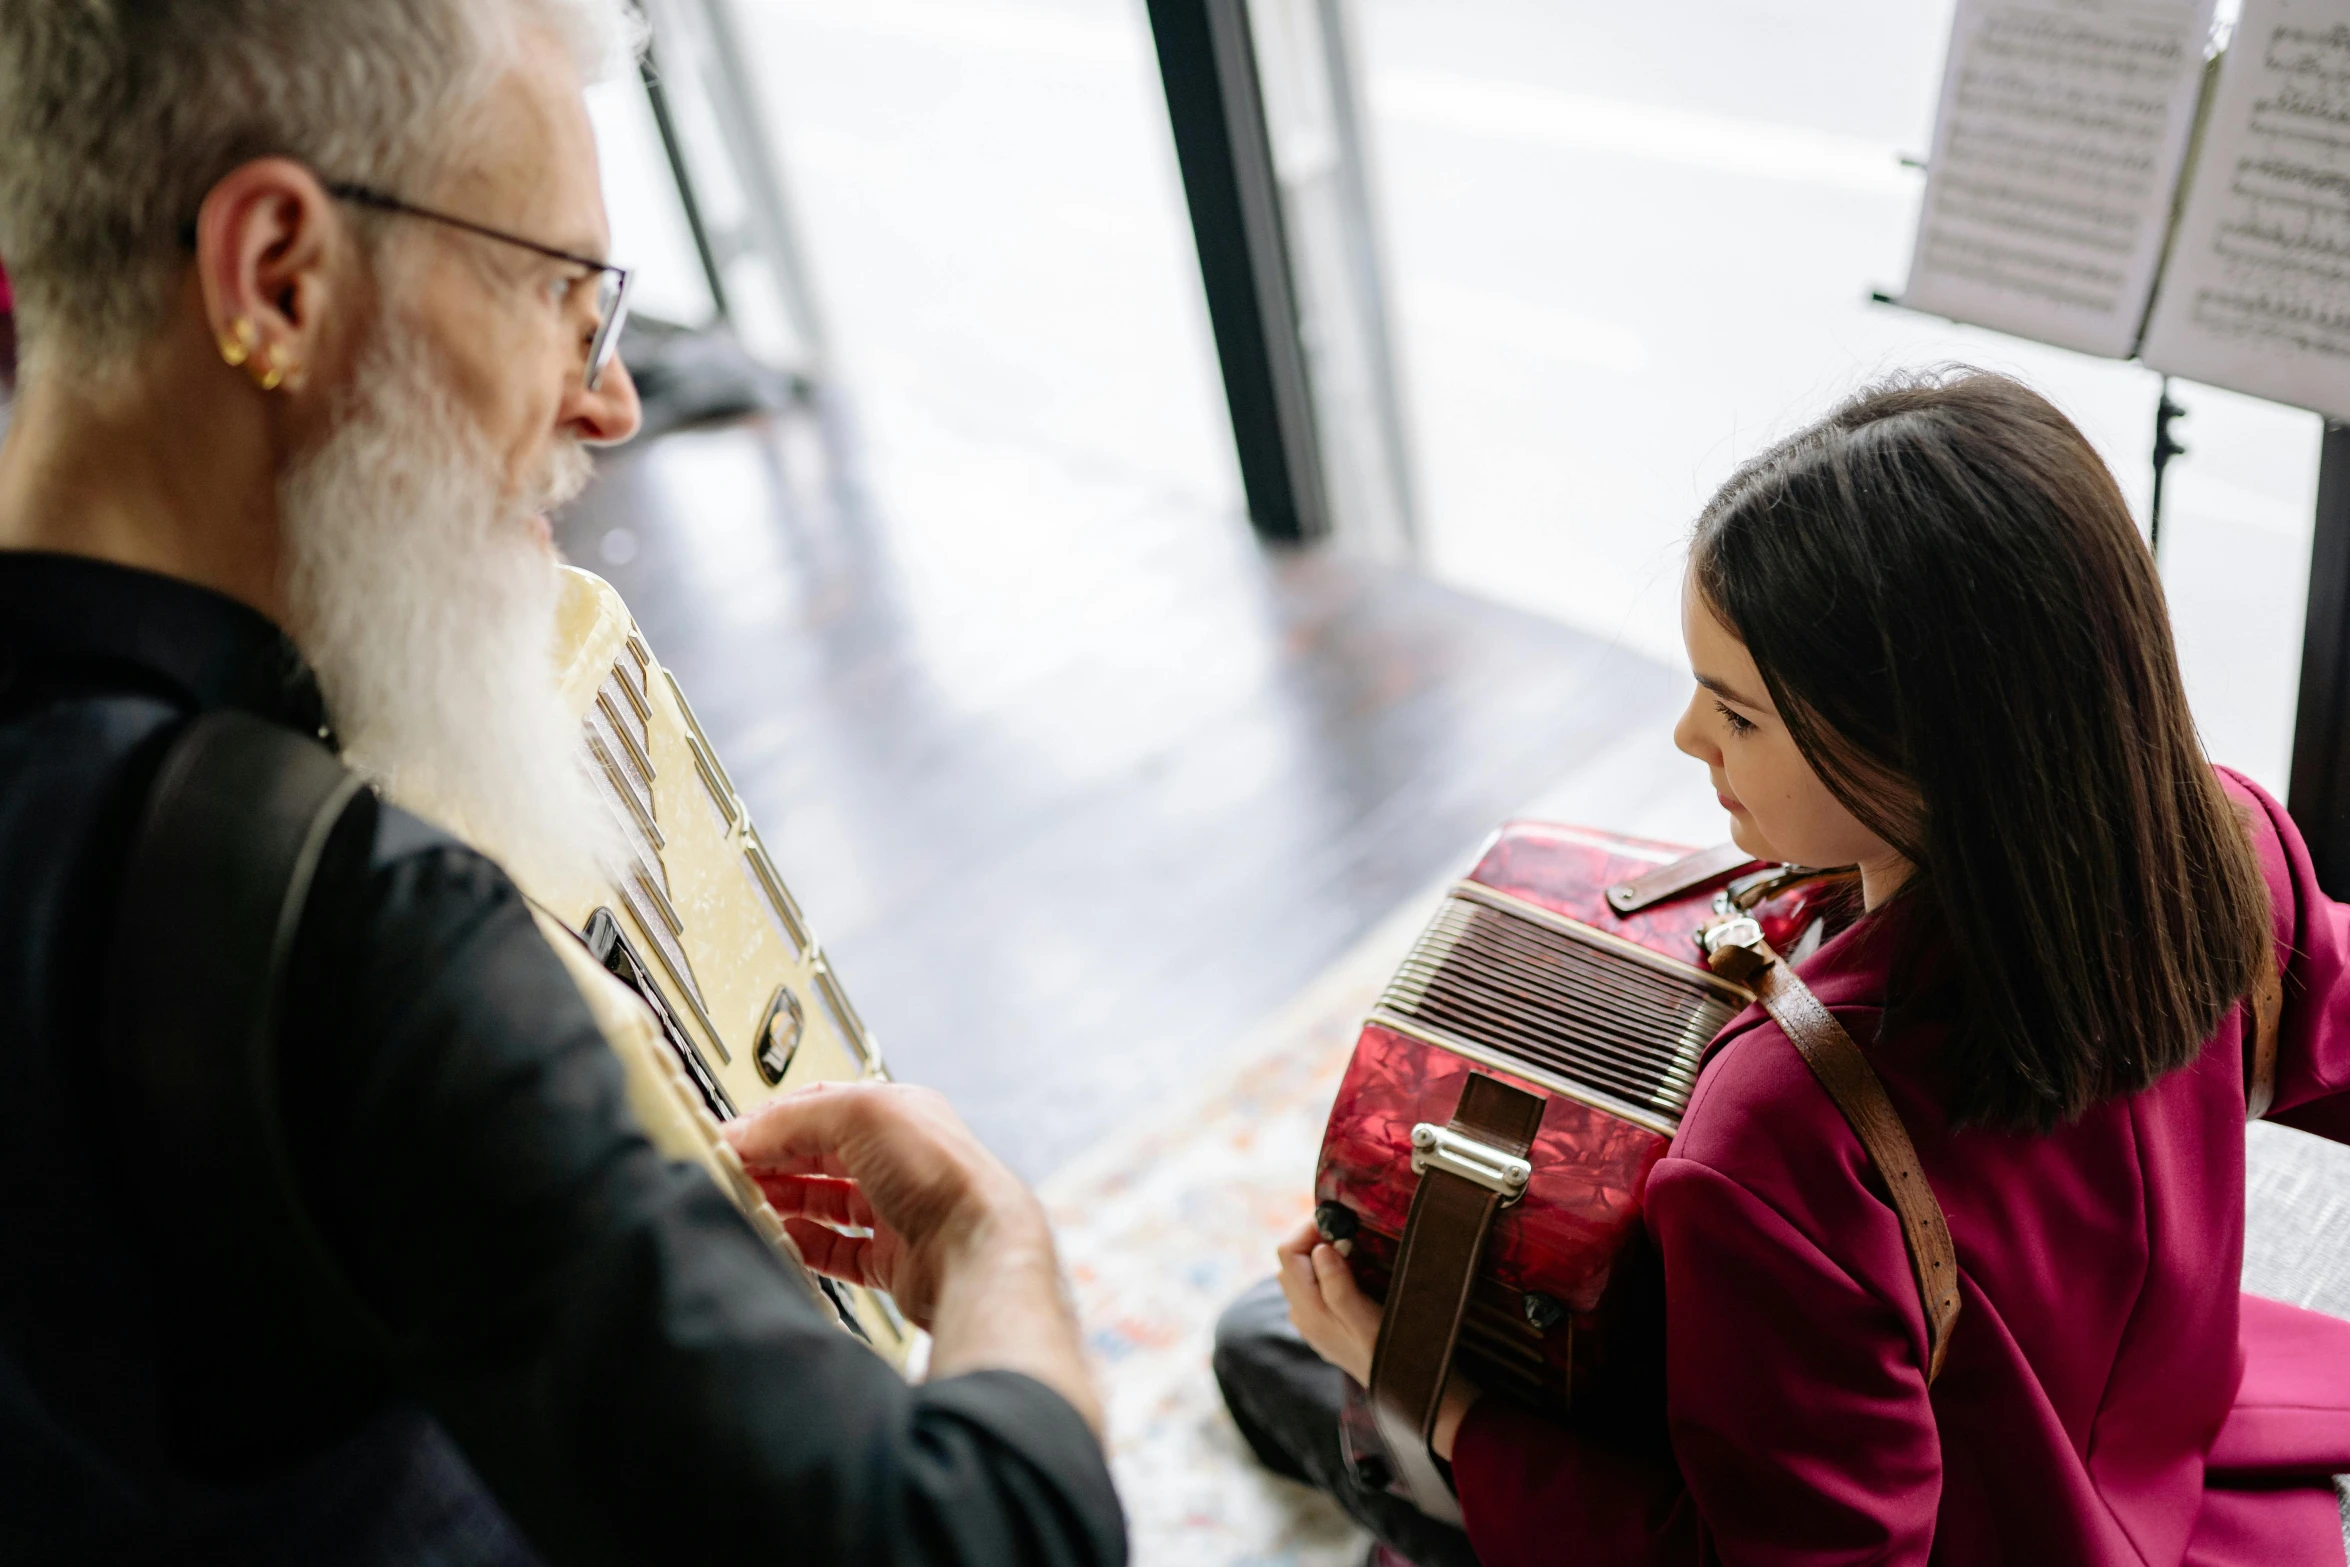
2256, 296
2057, 150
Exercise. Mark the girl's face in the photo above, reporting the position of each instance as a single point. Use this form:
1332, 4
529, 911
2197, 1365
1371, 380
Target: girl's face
1779, 809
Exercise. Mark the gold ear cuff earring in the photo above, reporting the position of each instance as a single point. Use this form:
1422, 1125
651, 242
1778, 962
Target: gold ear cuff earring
244, 340
238, 346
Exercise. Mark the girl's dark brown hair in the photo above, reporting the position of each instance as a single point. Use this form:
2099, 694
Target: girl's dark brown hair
1963, 631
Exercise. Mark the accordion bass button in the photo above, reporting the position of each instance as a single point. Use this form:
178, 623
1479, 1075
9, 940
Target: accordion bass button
1543, 1312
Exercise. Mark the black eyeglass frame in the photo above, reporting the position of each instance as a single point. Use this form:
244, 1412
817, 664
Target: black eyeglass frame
612, 311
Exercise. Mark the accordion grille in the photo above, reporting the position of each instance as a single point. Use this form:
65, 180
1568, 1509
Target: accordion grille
1567, 1002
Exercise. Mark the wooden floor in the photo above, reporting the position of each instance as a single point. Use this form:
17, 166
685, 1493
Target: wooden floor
1075, 798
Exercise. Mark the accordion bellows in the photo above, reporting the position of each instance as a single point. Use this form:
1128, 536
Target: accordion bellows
1526, 973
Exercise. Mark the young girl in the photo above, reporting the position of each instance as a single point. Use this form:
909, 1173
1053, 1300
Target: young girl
1929, 642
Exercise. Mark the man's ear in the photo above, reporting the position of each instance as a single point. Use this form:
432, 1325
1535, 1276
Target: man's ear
275, 257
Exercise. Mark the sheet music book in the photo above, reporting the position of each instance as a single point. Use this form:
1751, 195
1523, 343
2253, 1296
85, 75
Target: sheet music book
2057, 152
2256, 296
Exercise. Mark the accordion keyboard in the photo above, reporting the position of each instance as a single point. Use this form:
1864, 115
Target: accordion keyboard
696, 922
1567, 1006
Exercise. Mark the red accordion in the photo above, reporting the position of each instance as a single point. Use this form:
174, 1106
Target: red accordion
1540, 1042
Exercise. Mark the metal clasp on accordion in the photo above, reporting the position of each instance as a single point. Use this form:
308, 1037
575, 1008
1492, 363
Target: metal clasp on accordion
1734, 947
1442, 1148
1745, 892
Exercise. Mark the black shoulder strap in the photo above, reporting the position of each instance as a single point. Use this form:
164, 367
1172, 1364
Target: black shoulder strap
227, 849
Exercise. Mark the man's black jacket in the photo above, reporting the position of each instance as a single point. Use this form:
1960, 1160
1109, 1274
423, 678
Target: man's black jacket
614, 1351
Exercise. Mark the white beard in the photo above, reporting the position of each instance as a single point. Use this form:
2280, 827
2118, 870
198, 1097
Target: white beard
425, 602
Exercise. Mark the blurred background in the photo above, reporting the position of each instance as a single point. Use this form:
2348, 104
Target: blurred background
1077, 773
1136, 490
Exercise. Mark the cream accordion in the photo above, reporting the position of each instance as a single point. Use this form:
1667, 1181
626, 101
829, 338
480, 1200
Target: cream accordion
699, 966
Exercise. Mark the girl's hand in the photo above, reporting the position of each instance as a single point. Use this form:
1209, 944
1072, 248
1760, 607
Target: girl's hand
1327, 1306
1341, 1323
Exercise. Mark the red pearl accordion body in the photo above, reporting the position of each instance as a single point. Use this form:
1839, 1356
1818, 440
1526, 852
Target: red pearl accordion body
1546, 1306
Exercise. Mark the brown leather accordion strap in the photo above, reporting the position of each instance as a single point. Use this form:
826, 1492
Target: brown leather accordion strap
1685, 874
1428, 1296
1860, 1094
2260, 1063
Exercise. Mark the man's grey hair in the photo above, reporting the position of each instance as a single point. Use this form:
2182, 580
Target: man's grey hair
118, 116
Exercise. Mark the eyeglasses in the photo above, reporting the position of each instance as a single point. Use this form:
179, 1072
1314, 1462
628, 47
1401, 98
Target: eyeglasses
612, 282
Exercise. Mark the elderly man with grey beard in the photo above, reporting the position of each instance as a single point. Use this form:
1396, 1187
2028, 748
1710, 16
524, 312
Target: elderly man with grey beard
316, 331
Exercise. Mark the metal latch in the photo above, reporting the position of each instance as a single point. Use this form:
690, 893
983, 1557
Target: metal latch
1442, 1148
1743, 893
1734, 947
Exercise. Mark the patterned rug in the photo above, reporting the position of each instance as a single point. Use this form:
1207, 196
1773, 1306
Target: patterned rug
1162, 1226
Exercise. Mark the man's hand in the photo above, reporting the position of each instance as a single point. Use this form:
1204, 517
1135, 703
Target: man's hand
1341, 1324
882, 1184
892, 1160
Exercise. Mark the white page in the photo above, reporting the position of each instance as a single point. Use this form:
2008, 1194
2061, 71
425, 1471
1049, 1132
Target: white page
2056, 159
2257, 293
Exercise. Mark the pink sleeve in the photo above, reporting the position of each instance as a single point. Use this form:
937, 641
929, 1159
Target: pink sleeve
1799, 1415
2313, 934
1795, 1392
1534, 1492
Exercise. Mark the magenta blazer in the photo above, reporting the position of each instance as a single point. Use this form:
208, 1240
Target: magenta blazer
2110, 1396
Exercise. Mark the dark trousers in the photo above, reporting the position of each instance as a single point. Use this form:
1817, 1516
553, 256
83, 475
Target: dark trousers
1285, 1399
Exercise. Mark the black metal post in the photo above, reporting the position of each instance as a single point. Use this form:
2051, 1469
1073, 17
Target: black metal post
2166, 412
674, 145
2319, 792
1215, 104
